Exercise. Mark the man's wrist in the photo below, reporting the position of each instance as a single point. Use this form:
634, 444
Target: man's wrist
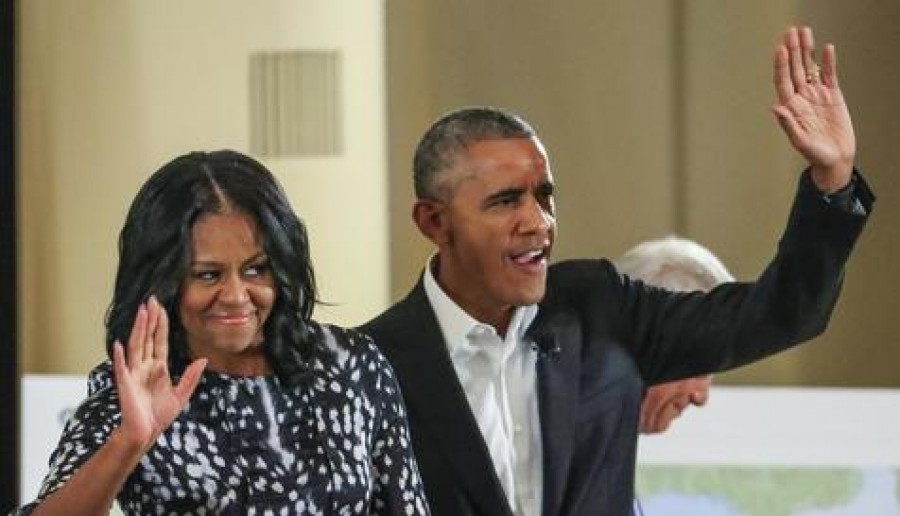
832, 179
843, 198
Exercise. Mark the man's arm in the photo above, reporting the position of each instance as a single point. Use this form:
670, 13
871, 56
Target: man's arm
684, 335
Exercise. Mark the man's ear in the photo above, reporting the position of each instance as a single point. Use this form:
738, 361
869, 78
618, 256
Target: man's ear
430, 217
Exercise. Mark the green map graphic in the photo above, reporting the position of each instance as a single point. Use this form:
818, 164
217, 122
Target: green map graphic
768, 491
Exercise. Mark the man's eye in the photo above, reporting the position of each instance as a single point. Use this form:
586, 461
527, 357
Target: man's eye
546, 193
505, 201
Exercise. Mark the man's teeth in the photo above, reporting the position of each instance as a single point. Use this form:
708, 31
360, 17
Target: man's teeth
529, 256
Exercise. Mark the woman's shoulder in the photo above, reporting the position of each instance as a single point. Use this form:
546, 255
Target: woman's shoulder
101, 406
347, 348
334, 339
101, 379
341, 336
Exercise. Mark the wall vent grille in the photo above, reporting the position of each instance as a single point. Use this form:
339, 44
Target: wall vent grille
295, 103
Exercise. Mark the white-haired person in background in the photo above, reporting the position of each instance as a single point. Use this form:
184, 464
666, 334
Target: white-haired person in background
676, 264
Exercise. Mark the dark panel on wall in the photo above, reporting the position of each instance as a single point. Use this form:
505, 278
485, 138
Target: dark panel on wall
9, 355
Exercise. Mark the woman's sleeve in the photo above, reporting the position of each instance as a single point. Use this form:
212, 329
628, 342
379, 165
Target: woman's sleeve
84, 433
398, 488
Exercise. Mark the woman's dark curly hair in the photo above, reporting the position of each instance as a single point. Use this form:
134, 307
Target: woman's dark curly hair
155, 252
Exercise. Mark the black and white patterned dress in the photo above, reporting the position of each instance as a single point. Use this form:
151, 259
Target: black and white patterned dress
338, 444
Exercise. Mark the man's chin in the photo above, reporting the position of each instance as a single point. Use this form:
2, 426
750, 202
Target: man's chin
531, 297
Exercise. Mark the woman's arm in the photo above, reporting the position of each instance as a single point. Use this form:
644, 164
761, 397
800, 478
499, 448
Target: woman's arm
148, 403
398, 488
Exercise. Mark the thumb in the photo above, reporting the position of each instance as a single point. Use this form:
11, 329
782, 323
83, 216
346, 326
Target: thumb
189, 381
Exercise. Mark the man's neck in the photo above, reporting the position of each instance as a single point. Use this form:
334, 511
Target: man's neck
498, 318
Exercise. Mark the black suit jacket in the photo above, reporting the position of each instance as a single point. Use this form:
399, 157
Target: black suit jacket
604, 338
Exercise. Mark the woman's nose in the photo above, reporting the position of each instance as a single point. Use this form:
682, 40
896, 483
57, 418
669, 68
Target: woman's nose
234, 290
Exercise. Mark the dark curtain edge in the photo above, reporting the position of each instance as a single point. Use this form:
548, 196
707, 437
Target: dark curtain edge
9, 349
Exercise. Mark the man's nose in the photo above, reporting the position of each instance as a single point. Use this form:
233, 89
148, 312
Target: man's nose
536, 217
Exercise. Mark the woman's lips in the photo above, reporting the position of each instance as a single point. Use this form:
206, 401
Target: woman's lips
231, 319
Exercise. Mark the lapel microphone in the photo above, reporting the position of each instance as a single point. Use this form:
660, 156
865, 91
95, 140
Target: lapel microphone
547, 347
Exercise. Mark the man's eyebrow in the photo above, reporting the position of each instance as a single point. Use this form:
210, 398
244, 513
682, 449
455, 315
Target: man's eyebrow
506, 193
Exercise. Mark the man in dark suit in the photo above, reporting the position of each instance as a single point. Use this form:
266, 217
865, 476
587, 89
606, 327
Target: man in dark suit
523, 381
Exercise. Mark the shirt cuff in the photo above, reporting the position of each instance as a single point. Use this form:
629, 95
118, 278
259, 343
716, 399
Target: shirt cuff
845, 199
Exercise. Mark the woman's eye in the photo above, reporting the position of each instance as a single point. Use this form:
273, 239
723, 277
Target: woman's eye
255, 271
206, 276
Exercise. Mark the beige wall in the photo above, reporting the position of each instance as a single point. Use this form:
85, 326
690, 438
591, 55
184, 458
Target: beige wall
656, 115
110, 89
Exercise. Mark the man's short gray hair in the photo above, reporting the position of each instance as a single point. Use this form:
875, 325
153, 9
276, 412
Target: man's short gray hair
453, 133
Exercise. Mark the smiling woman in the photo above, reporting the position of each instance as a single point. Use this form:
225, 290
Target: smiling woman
229, 407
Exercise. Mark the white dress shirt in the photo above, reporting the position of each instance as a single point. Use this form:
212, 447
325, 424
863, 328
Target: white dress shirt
498, 376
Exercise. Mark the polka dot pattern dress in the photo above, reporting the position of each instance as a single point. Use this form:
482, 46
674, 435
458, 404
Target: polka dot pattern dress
336, 445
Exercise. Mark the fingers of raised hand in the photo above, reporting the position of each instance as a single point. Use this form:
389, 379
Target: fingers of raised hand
784, 84
138, 338
804, 69
149, 334
120, 367
160, 336
153, 309
796, 58
796, 67
829, 66
807, 50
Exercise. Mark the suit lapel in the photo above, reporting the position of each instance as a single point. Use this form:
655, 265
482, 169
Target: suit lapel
558, 334
437, 400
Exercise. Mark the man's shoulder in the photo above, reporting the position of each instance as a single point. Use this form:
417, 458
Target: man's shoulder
584, 272
581, 285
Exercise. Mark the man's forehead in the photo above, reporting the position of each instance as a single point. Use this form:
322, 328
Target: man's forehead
497, 163
516, 155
